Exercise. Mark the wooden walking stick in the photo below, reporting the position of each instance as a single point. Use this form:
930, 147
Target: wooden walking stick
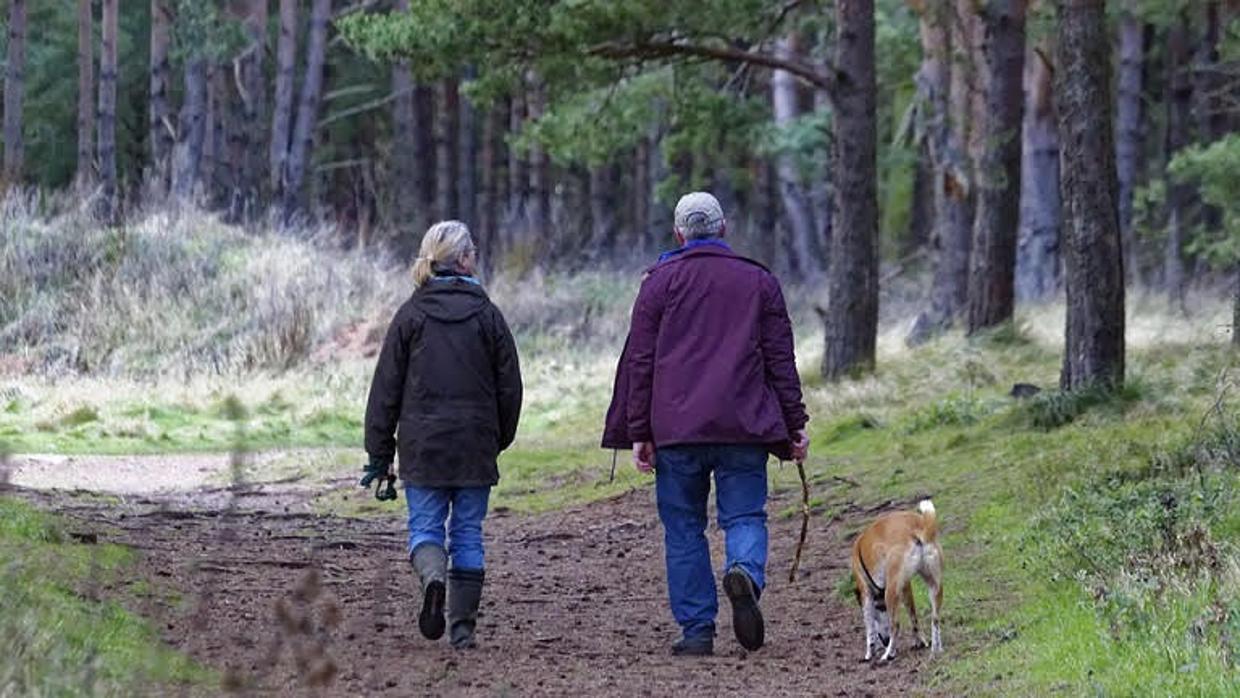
796, 560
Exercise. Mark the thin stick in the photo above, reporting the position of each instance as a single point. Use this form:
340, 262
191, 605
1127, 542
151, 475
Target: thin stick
614, 452
796, 560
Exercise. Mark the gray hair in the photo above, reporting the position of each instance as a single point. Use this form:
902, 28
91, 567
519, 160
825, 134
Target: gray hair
699, 216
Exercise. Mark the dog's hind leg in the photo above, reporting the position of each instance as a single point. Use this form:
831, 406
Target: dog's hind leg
912, 614
867, 614
893, 607
936, 603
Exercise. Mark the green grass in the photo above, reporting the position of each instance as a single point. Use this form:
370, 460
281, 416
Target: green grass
55, 638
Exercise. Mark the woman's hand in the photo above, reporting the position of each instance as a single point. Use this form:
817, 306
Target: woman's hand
643, 456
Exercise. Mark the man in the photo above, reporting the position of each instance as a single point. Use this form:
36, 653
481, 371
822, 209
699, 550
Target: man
708, 383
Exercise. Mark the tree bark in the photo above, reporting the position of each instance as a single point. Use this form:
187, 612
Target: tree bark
302, 144
922, 210
1235, 308
1179, 127
797, 214
424, 152
191, 130
539, 203
14, 85
1129, 126
640, 195
488, 189
282, 109
467, 169
1094, 263
852, 314
252, 101
159, 113
405, 163
604, 181
997, 218
1037, 263
86, 94
518, 175
447, 132
946, 83
108, 204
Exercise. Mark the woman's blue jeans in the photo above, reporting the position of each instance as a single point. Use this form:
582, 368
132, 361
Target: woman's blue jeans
463, 509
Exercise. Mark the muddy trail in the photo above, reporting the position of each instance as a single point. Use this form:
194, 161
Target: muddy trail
281, 600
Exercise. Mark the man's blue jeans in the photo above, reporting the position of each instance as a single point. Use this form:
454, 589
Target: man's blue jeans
428, 510
682, 485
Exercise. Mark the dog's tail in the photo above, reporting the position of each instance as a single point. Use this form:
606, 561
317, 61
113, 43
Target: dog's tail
930, 520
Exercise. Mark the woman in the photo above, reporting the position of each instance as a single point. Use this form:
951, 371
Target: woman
446, 396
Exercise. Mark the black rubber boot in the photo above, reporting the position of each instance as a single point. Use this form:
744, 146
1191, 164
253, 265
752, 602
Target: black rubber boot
693, 647
464, 595
431, 563
746, 616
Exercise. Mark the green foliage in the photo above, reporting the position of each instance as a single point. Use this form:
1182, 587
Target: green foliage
1052, 409
1215, 169
200, 30
953, 411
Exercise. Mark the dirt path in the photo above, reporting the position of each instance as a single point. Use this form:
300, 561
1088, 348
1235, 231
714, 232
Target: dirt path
285, 601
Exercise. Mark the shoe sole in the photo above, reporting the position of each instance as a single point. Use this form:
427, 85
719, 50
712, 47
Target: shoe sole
430, 620
747, 620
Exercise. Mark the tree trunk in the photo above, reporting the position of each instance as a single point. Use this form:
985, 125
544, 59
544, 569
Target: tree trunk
997, 218
1129, 126
159, 113
539, 202
1235, 308
604, 181
282, 109
302, 144
467, 170
852, 315
191, 130
447, 131
488, 189
797, 214
1179, 125
946, 85
14, 84
405, 163
922, 211
1037, 263
252, 94
643, 235
518, 176
86, 94
424, 153
108, 204
1094, 263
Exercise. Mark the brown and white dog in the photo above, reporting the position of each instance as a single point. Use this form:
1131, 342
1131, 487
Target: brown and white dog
885, 558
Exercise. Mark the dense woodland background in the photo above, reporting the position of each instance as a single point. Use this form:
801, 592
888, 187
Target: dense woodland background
988, 144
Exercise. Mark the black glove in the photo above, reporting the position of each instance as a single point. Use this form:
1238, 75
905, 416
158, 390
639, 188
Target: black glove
381, 472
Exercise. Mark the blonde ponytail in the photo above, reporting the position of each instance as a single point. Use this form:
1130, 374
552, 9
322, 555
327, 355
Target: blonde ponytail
445, 243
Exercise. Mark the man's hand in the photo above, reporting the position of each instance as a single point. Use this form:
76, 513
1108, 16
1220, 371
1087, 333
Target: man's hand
800, 446
643, 456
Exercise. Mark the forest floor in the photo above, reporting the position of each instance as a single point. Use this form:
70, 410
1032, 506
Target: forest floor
259, 585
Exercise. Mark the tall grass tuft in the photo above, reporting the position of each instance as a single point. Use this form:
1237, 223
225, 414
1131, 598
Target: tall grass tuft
173, 291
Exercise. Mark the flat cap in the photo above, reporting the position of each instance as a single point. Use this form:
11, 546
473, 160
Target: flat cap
699, 215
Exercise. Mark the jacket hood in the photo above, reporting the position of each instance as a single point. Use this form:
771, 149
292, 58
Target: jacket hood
451, 301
